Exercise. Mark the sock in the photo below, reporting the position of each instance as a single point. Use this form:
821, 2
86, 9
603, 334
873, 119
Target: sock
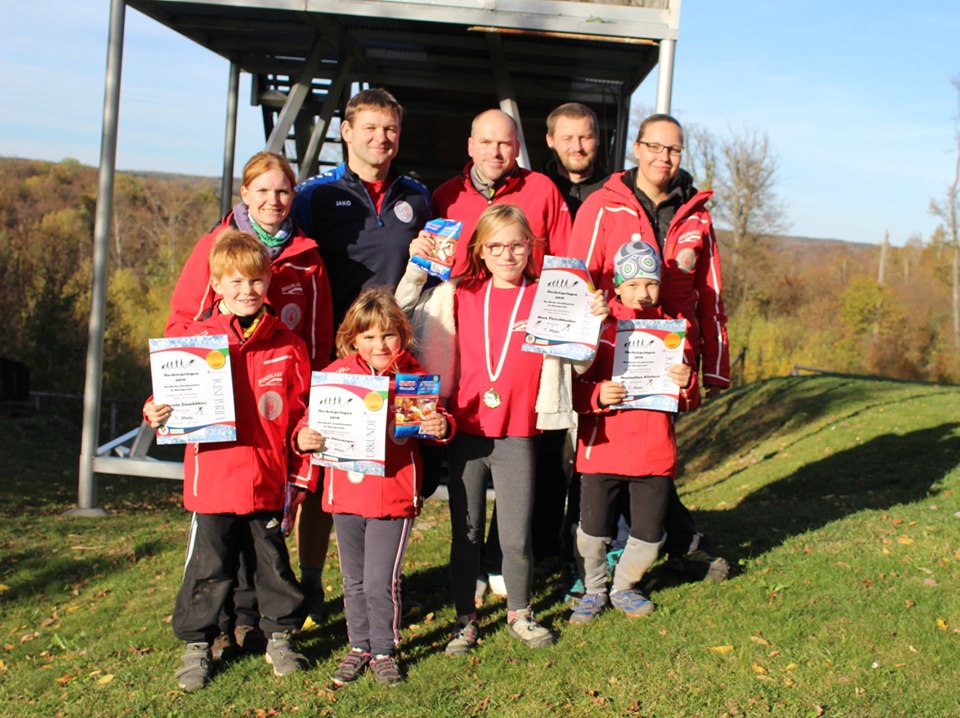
591, 553
637, 557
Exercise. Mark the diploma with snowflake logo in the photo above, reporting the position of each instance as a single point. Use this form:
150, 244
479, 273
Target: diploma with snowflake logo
192, 375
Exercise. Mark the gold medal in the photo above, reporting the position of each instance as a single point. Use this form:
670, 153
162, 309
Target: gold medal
491, 398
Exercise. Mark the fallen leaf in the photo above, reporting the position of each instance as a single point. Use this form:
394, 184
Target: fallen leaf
761, 641
942, 625
757, 668
930, 582
720, 649
65, 679
909, 604
104, 680
4, 588
905, 540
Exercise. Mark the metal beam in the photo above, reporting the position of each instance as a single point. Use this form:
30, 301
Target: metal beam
665, 76
93, 383
230, 140
319, 133
508, 99
295, 99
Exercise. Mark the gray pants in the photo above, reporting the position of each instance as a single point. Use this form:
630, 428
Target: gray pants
509, 462
371, 558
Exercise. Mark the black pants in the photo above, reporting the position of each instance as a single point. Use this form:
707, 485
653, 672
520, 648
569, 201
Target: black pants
213, 552
600, 496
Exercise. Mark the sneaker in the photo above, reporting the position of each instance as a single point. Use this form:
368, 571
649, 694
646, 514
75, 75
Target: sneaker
386, 671
351, 667
701, 566
250, 639
197, 667
526, 628
589, 607
632, 602
465, 637
283, 656
498, 587
223, 648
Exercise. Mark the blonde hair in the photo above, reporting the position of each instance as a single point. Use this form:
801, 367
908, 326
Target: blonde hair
238, 251
264, 162
493, 219
375, 307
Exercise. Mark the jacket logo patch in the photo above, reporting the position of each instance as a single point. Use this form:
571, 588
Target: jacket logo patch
688, 237
292, 288
403, 210
686, 260
343, 203
270, 405
272, 379
290, 315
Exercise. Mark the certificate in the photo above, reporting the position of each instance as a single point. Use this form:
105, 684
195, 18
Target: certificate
350, 410
192, 375
645, 348
560, 322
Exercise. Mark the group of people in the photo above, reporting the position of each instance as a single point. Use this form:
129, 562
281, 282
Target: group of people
317, 277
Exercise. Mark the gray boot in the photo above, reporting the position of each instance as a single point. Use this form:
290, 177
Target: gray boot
197, 667
282, 654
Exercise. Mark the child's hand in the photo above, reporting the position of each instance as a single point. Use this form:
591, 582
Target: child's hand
157, 414
598, 305
435, 425
422, 245
310, 440
679, 374
611, 393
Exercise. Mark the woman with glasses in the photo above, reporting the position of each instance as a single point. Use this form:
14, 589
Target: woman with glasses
470, 331
656, 203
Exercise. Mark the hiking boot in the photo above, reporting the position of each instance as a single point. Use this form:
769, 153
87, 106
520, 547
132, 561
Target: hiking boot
351, 667
632, 602
526, 628
250, 639
465, 637
386, 671
589, 607
223, 648
197, 667
283, 656
701, 566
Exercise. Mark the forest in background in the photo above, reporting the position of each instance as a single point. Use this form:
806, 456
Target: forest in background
839, 306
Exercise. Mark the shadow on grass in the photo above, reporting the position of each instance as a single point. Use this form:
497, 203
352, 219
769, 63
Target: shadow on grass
885, 471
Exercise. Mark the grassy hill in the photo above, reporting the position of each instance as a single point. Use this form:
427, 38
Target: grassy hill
835, 499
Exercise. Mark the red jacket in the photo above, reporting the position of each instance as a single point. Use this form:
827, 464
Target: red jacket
692, 281
397, 493
629, 442
271, 382
299, 292
532, 192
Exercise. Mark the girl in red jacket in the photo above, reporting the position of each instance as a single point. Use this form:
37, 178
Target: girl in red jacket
631, 450
373, 515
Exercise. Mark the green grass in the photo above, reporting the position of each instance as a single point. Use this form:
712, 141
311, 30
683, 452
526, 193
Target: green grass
834, 498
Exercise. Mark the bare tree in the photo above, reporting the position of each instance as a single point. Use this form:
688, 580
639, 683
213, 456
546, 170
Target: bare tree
948, 210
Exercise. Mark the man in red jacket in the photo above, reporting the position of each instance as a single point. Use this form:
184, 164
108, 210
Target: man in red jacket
492, 176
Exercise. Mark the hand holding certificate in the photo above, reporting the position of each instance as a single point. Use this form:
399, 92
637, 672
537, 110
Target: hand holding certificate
192, 375
645, 349
350, 411
561, 322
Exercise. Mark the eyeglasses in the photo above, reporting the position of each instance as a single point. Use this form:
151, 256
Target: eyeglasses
495, 249
656, 148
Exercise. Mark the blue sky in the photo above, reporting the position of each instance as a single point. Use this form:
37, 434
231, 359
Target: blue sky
856, 98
